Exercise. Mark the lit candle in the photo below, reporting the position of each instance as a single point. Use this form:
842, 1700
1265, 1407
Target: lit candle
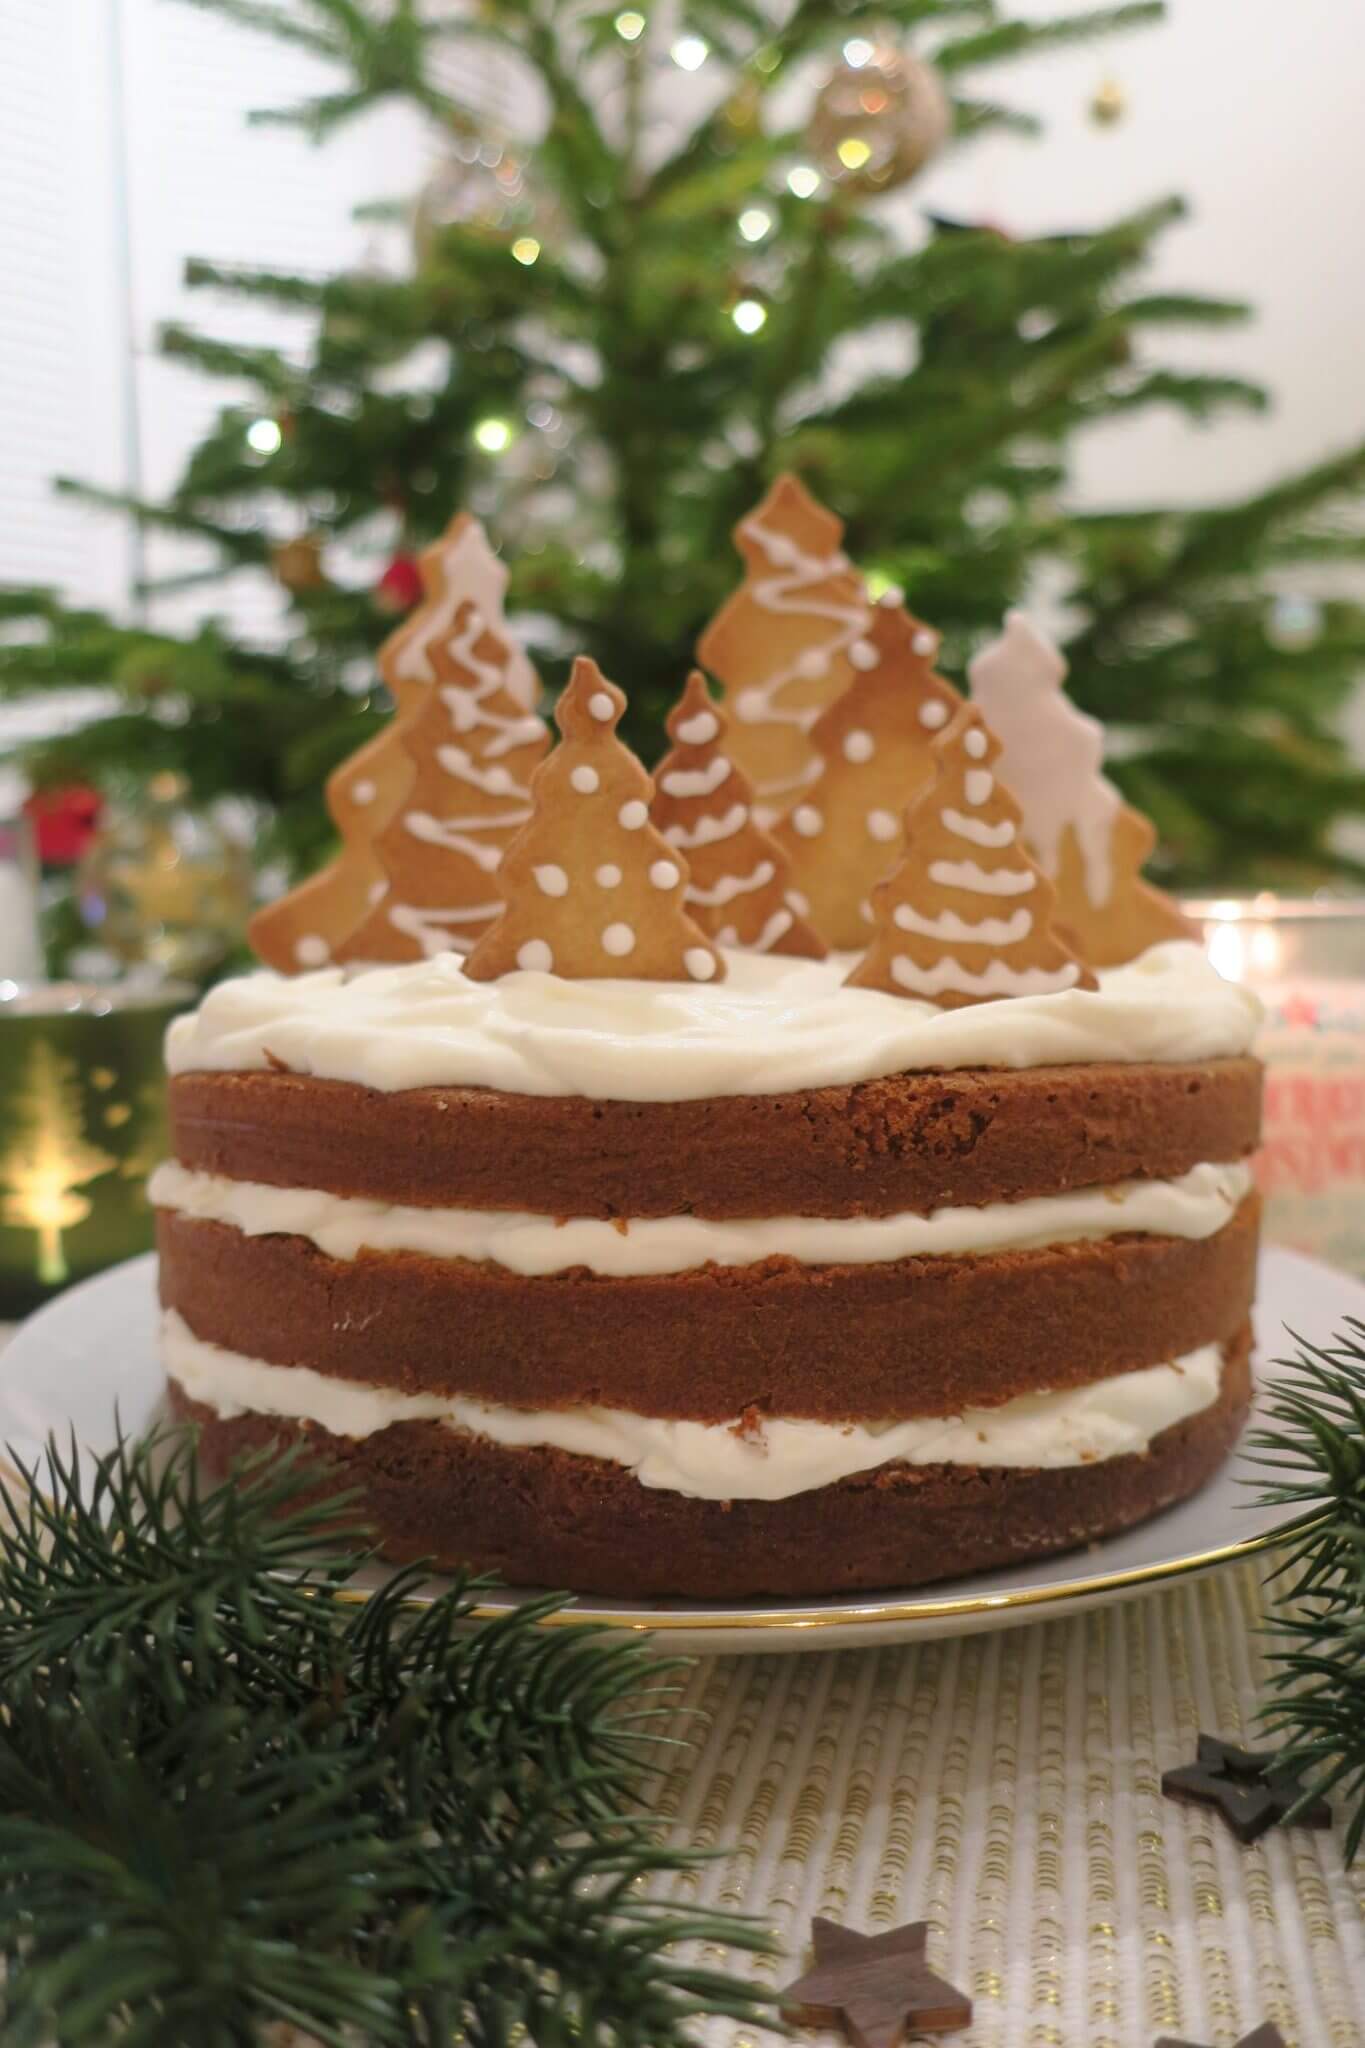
82, 1123
1306, 961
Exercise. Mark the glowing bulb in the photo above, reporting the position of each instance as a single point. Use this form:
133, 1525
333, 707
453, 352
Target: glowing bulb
264, 436
803, 180
858, 51
754, 223
493, 436
853, 152
526, 248
630, 26
749, 315
690, 53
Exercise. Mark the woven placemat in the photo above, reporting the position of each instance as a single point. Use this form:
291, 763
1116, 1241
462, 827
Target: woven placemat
1007, 1789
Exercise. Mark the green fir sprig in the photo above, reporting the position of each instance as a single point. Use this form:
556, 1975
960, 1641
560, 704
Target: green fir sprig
236, 1793
1314, 1451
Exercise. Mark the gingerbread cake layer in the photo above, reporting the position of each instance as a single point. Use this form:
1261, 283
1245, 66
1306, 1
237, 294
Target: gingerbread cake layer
913, 1141
552, 1518
908, 1337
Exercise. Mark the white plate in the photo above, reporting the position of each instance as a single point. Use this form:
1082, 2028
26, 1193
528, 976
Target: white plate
91, 1354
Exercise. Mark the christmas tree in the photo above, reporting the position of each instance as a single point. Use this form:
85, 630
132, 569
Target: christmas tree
641, 311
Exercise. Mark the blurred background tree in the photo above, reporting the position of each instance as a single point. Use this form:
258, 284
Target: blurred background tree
618, 325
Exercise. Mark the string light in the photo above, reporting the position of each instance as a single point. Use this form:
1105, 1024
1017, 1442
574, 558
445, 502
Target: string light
493, 436
689, 53
749, 315
853, 152
526, 248
630, 26
803, 180
754, 223
264, 436
858, 51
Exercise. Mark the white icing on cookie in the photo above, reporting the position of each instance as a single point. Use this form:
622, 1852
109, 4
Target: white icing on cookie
608, 876
696, 781
729, 886
1053, 754
618, 940
807, 821
312, 950
933, 714
978, 784
584, 779
364, 791
535, 957
985, 931
977, 830
863, 655
665, 874
551, 879
882, 825
966, 874
708, 830
633, 815
699, 963
699, 730
601, 706
859, 745
997, 978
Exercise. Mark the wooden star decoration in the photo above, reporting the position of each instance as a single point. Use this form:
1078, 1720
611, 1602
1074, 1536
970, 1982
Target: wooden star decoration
1247, 1787
879, 1985
1268, 2036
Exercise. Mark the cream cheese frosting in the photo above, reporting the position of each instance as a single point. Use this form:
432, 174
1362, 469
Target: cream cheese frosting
1196, 1205
773, 1025
1110, 1418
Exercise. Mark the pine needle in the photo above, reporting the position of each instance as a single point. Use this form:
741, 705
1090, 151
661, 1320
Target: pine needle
233, 1795
1313, 1456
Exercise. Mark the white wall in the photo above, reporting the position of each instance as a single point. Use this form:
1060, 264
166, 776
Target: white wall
1252, 110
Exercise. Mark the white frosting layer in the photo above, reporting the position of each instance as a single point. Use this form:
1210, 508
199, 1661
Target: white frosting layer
772, 1025
714, 1461
1195, 1206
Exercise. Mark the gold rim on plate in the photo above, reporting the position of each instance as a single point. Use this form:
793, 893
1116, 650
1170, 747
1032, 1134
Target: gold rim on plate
868, 1614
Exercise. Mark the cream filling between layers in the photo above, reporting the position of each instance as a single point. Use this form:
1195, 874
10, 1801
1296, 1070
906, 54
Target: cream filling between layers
1196, 1205
772, 1025
725, 1461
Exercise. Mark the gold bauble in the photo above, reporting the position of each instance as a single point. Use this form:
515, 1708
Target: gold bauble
297, 564
1109, 103
874, 125
163, 884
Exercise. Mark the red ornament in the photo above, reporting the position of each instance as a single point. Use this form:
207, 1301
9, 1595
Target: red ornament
64, 822
400, 586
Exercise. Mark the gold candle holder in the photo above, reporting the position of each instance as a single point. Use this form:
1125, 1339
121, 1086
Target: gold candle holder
82, 1124
1305, 959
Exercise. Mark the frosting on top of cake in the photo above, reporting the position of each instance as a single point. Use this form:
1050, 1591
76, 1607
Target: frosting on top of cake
773, 1025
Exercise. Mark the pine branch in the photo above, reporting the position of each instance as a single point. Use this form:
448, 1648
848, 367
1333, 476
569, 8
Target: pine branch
1019, 38
231, 1795
1313, 1456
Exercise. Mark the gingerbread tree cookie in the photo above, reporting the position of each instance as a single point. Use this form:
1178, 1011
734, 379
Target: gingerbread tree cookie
780, 645
591, 889
967, 916
474, 748
459, 568
875, 748
1088, 841
740, 888
309, 927
313, 926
